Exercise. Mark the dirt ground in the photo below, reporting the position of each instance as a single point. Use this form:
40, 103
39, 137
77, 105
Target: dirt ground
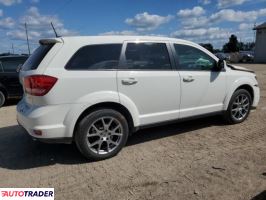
200, 159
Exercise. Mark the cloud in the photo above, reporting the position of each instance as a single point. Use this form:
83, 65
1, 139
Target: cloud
1, 13
7, 23
205, 2
10, 2
202, 34
38, 26
230, 15
228, 3
146, 22
215, 35
34, 1
195, 22
193, 18
21, 35
189, 19
245, 26
194, 12
35, 19
237, 16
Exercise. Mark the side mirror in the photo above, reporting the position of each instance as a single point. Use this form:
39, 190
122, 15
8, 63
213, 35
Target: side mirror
19, 68
219, 65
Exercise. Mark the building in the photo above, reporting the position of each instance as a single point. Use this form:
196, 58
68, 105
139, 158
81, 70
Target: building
260, 44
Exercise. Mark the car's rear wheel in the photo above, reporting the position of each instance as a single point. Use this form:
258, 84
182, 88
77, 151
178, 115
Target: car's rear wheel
239, 107
102, 134
2, 99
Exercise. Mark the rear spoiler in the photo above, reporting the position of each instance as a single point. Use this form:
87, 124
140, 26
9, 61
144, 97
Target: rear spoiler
51, 41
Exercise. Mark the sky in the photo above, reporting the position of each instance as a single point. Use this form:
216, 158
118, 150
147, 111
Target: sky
200, 21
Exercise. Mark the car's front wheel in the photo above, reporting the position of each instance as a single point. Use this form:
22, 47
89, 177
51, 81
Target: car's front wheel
2, 99
102, 134
239, 107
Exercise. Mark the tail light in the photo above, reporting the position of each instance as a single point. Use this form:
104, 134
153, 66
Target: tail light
39, 85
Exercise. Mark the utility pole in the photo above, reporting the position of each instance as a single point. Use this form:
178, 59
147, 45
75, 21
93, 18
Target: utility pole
27, 37
254, 33
13, 49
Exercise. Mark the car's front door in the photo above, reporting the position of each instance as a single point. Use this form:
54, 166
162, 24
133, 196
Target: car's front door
147, 79
202, 88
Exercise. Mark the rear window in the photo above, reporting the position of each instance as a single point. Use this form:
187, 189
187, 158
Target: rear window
36, 58
95, 57
11, 64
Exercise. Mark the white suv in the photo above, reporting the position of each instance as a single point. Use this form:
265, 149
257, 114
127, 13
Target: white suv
97, 90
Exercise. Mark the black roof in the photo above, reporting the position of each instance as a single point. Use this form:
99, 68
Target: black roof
14, 56
262, 26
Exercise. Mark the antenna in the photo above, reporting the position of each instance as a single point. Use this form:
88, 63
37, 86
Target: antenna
26, 28
56, 35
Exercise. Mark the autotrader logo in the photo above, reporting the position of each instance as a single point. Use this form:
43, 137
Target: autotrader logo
27, 193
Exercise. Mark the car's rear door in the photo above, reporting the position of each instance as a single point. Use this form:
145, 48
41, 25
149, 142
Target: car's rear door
147, 78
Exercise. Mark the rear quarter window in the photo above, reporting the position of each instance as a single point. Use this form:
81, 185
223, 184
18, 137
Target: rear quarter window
95, 57
36, 58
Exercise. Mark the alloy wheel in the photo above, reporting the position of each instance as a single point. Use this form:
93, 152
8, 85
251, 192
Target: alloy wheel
240, 107
104, 135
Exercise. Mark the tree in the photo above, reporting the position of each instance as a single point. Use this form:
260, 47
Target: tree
249, 46
232, 45
207, 46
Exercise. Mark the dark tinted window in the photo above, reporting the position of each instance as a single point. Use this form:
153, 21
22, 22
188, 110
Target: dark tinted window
36, 58
147, 56
11, 64
191, 58
104, 56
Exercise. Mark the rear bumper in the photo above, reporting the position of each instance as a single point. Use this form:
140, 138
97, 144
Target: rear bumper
47, 119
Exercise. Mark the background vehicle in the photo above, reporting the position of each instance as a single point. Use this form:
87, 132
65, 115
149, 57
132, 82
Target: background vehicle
246, 56
223, 56
98, 90
10, 86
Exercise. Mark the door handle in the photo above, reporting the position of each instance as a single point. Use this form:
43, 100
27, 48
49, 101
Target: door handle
188, 79
129, 81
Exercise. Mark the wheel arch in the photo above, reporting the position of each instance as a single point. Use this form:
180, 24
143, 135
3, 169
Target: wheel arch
248, 88
244, 85
3, 89
103, 105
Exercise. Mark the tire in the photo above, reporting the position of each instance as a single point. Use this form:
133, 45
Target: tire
239, 107
2, 99
102, 134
